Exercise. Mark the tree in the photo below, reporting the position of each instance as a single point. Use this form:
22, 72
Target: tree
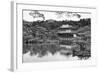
36, 14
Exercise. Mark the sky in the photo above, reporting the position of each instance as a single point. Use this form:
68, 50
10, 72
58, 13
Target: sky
59, 16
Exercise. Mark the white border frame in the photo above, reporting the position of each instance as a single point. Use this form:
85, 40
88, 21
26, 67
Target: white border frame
16, 61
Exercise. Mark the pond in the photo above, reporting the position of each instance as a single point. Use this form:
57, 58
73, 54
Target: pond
57, 57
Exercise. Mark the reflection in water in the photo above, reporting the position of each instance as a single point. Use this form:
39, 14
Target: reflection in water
49, 57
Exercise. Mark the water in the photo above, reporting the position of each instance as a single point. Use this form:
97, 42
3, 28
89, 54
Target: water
57, 57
